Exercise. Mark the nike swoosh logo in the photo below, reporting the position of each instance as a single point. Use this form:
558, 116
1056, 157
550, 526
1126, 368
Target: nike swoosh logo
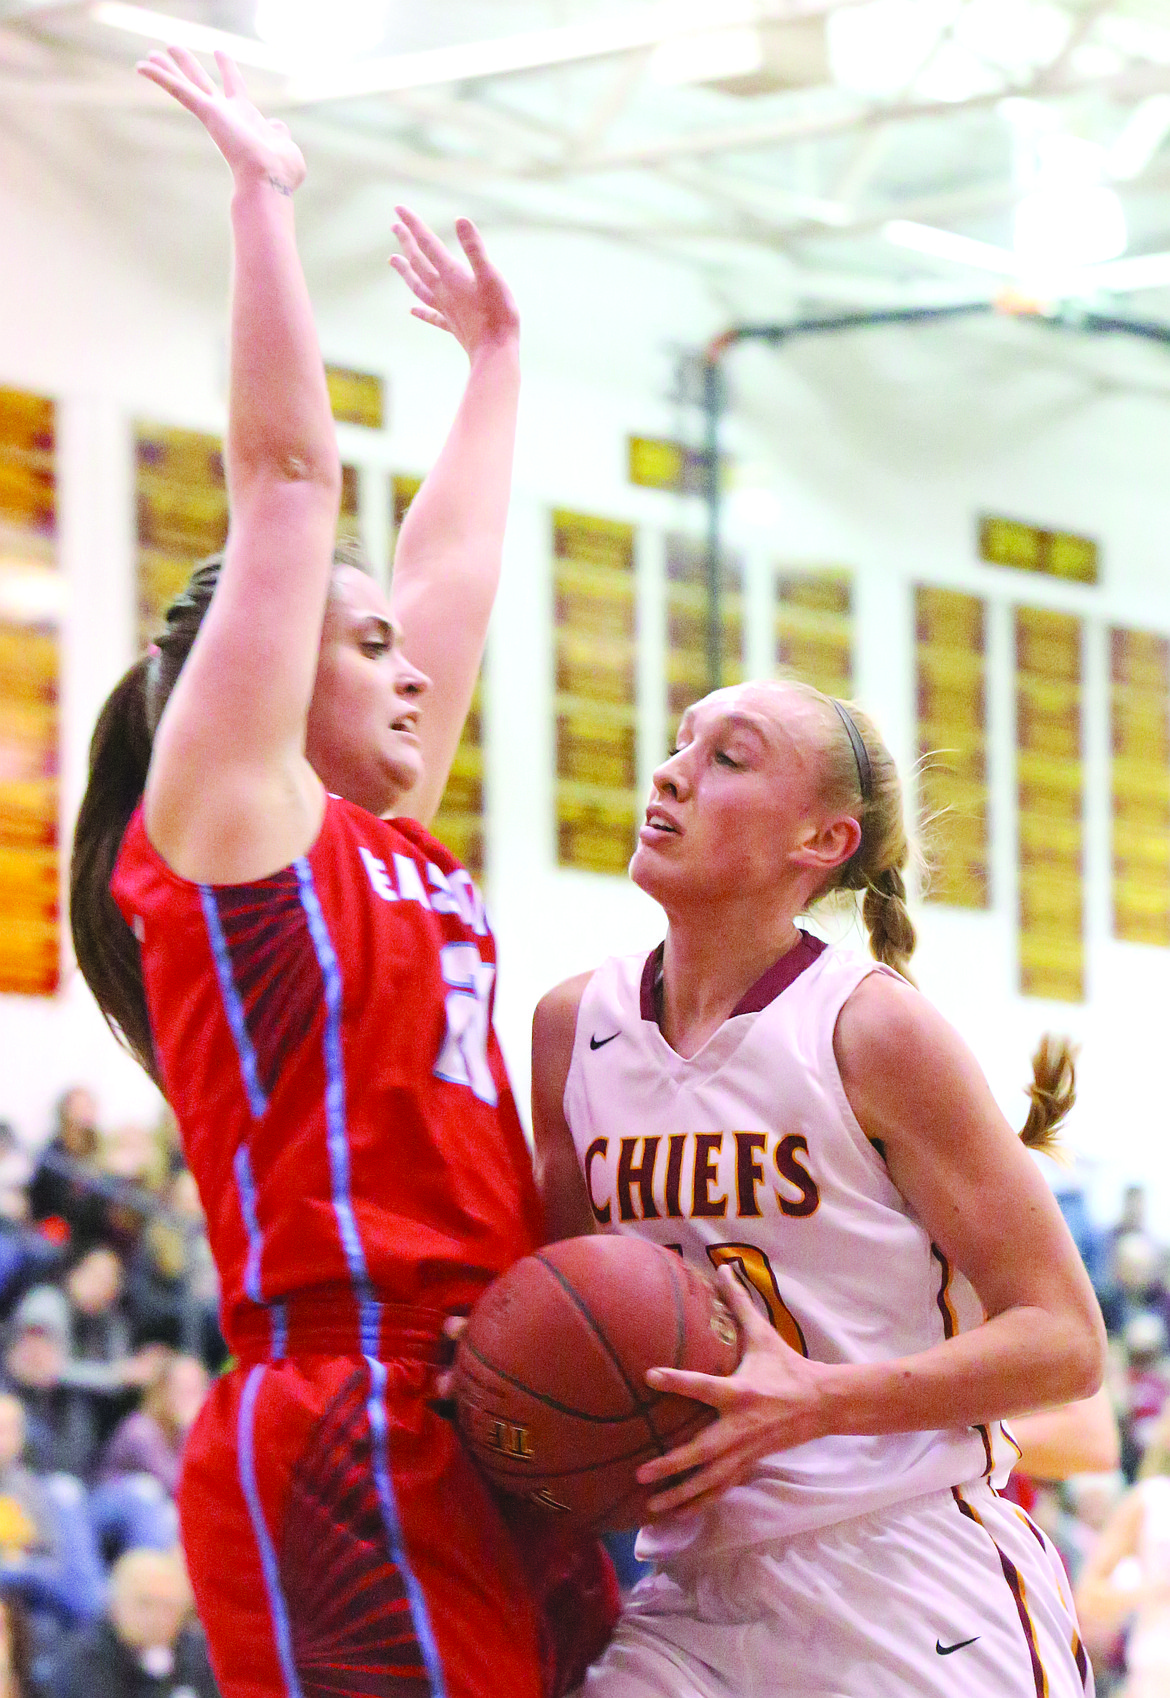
945, 1650
600, 1043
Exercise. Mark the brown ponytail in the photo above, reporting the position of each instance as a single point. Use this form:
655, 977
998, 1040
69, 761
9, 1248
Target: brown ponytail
119, 758
1053, 1092
106, 948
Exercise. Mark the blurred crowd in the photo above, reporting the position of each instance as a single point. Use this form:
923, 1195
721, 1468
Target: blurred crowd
1111, 1521
108, 1339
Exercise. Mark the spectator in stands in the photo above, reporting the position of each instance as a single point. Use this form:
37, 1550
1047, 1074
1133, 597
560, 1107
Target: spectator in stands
1136, 1284
26, 1255
38, 1563
60, 1416
15, 1651
1126, 1579
133, 1166
1095, 1246
100, 1359
1089, 1502
150, 1441
15, 1174
171, 1283
62, 1188
101, 1333
1145, 1386
146, 1646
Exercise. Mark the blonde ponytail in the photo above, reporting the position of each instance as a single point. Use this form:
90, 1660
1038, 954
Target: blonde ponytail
864, 780
885, 850
892, 937
1053, 1092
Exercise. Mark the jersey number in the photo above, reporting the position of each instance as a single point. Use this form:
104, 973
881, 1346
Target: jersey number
755, 1270
463, 1057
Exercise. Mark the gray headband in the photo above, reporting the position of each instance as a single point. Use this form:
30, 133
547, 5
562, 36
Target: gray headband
860, 752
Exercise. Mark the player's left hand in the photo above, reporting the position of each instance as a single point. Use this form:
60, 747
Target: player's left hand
453, 1329
769, 1403
470, 300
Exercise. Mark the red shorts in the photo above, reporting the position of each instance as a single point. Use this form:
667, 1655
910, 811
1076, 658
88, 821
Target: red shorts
340, 1542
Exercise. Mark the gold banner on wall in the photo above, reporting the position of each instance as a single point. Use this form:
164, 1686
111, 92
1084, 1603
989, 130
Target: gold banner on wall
183, 513
356, 397
1050, 786
459, 822
1031, 548
597, 798
31, 603
1140, 723
814, 628
686, 623
951, 663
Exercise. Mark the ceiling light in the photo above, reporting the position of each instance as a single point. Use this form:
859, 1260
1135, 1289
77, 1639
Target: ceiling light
878, 48
306, 31
708, 55
1068, 218
166, 31
1139, 141
946, 245
1068, 228
622, 32
1129, 276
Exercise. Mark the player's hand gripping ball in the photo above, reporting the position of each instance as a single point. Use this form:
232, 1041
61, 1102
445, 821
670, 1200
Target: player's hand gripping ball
550, 1373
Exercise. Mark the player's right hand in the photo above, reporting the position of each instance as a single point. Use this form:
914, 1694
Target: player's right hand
769, 1403
257, 148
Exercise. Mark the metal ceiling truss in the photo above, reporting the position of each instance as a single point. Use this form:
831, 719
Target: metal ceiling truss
518, 133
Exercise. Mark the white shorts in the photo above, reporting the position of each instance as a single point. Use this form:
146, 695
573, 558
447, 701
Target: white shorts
955, 1594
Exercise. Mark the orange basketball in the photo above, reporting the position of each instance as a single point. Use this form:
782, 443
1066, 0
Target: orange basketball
550, 1374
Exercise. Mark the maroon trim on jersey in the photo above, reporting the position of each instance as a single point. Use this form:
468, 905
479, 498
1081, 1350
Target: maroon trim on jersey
766, 989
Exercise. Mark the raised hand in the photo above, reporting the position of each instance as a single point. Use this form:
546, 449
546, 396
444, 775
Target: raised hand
768, 1404
253, 145
472, 301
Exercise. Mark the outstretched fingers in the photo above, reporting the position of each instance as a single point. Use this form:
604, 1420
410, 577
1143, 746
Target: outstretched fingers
192, 69
414, 282
471, 242
421, 244
231, 76
181, 75
157, 69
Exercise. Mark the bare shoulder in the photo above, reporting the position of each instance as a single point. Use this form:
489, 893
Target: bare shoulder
883, 1021
897, 1054
554, 1024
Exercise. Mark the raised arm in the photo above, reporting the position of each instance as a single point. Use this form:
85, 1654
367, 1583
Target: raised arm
230, 796
447, 563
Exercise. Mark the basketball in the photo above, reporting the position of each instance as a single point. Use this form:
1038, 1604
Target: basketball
550, 1374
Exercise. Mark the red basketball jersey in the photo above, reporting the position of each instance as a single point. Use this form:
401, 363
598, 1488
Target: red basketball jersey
324, 1037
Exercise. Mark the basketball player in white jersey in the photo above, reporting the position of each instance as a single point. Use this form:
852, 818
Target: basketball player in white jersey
800, 1115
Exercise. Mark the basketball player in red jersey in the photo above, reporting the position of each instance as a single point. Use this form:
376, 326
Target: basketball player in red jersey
798, 1113
311, 984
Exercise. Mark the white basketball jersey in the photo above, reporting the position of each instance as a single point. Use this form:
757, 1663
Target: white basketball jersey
749, 1153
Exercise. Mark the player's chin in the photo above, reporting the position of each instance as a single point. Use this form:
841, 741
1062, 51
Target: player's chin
650, 870
401, 769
